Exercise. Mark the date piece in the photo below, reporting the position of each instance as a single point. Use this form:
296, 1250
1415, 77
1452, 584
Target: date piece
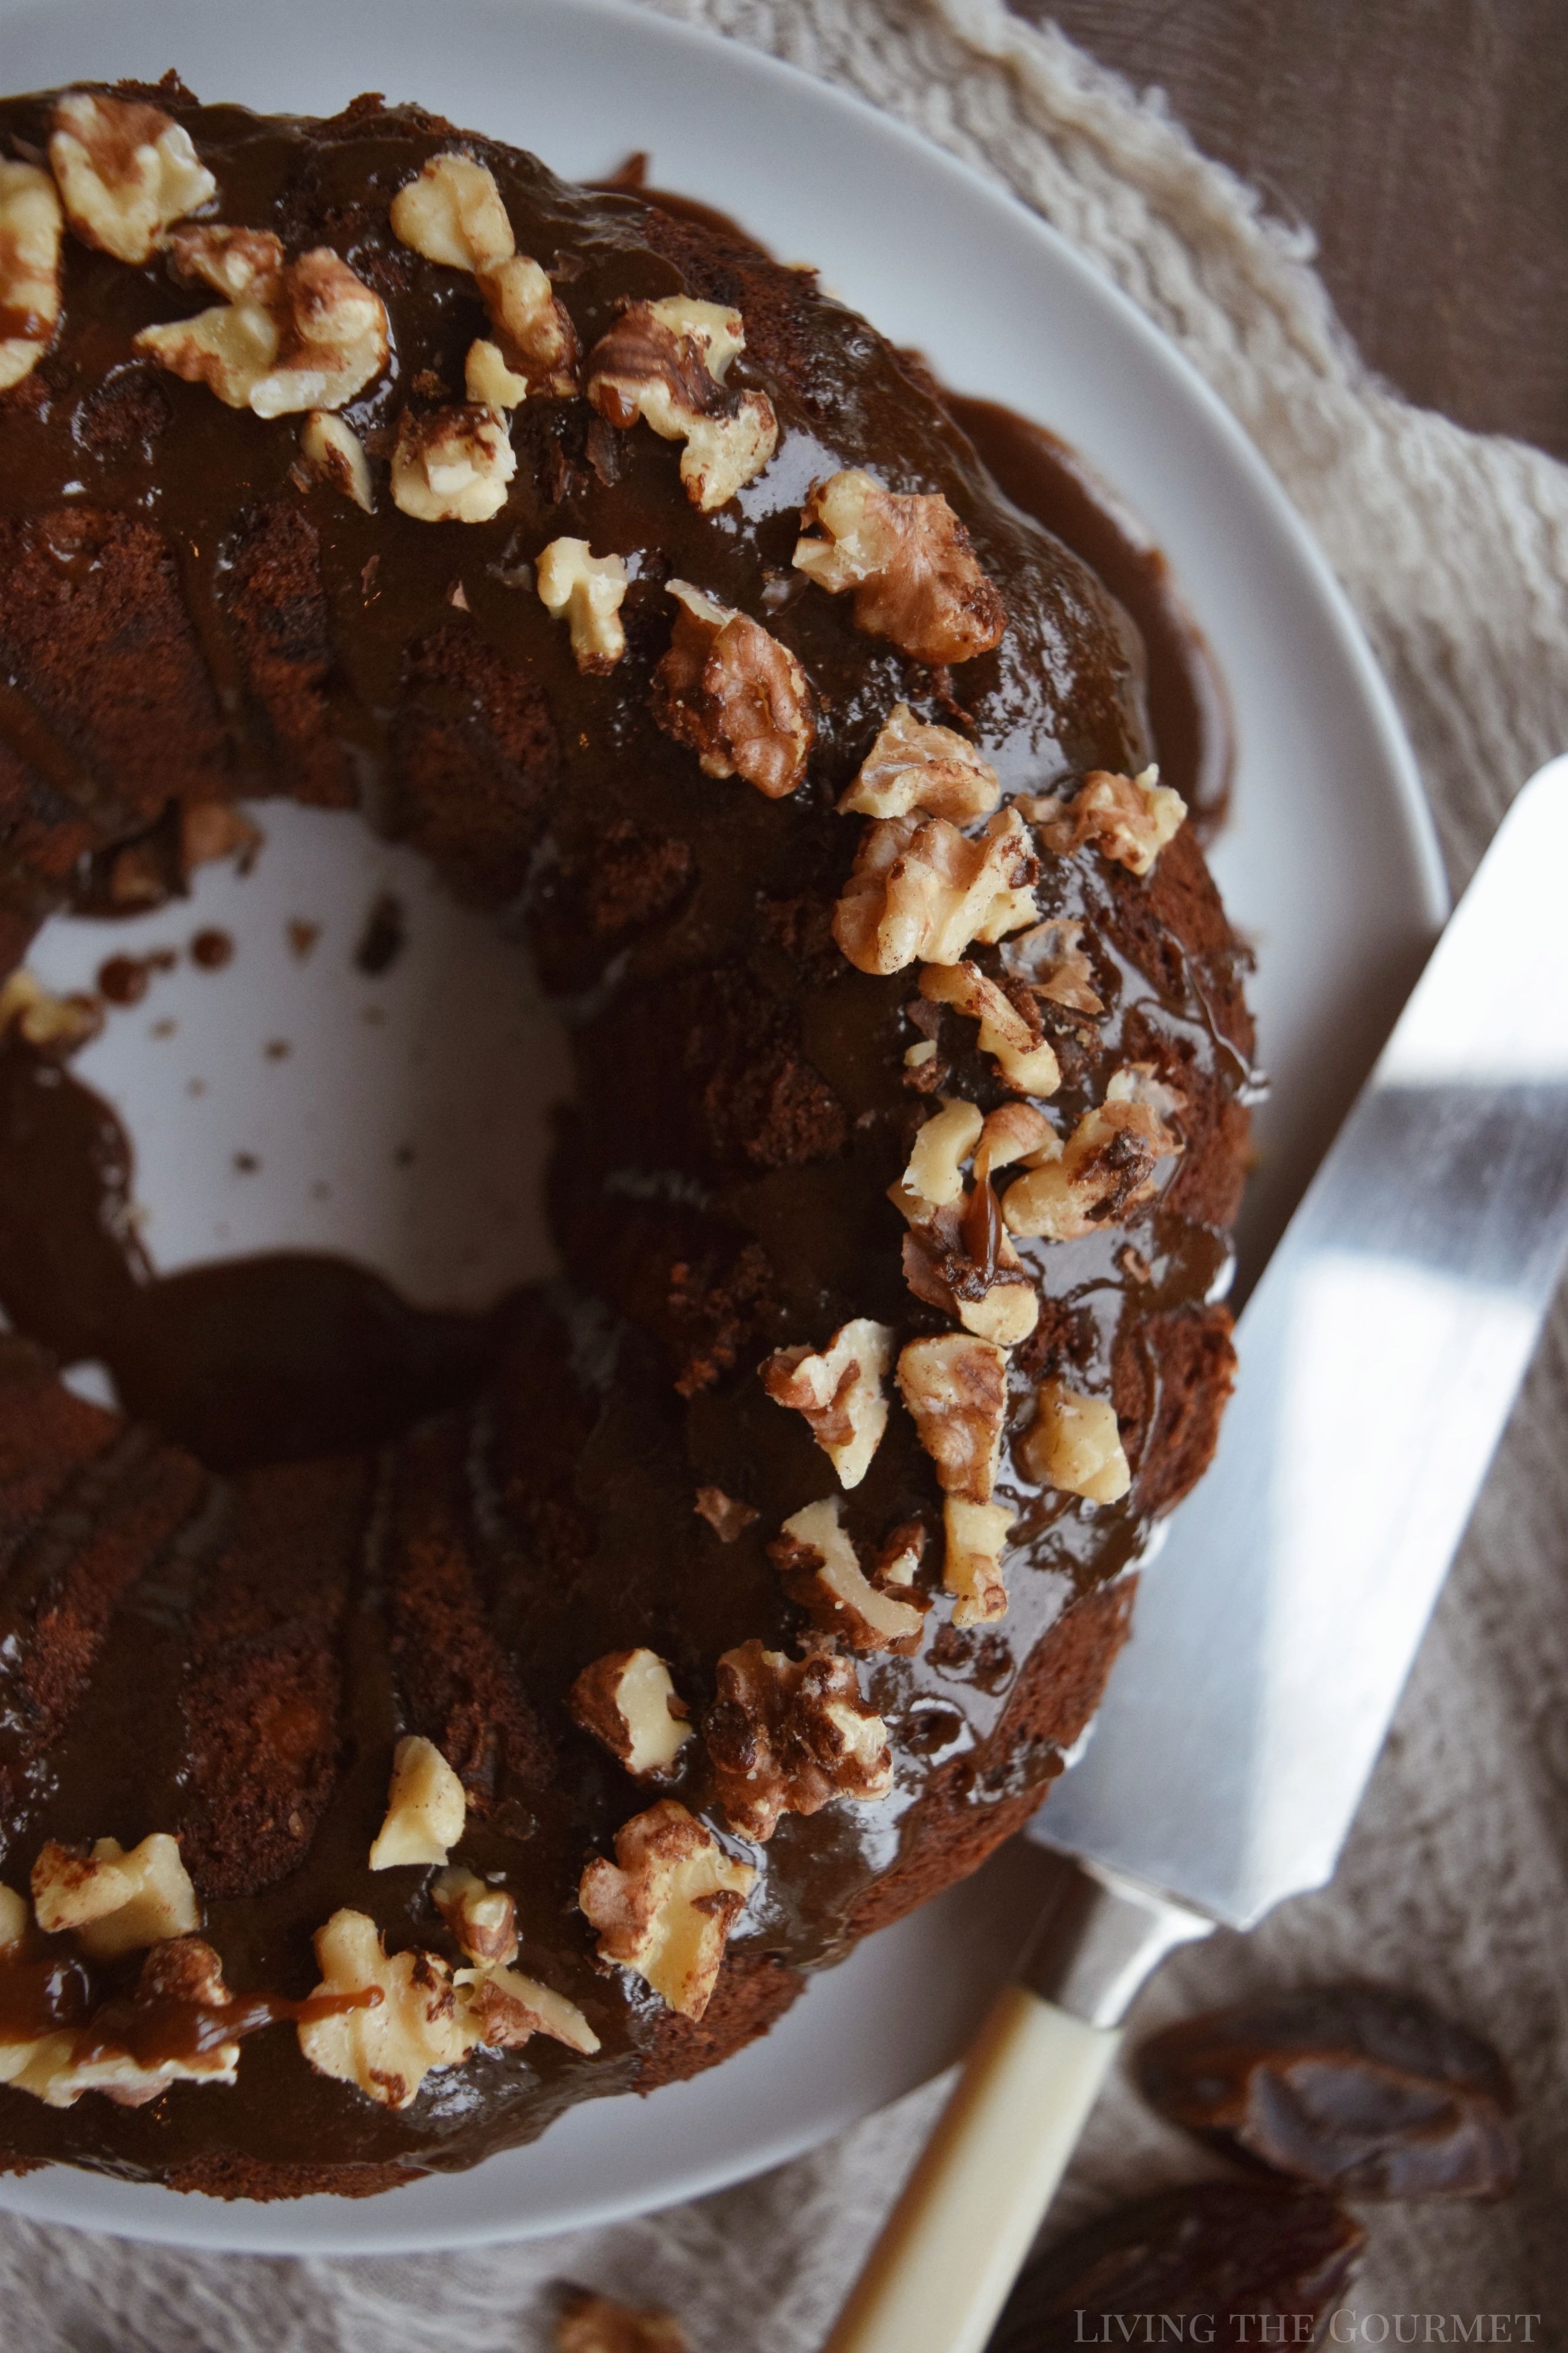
1234, 2254
1358, 2088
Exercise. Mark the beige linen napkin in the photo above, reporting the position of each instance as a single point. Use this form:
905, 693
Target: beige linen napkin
1455, 550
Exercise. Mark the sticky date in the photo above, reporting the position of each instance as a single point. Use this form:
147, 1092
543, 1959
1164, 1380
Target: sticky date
1232, 2253
1356, 2087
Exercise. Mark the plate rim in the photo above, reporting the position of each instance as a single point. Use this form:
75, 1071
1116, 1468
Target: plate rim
62, 2194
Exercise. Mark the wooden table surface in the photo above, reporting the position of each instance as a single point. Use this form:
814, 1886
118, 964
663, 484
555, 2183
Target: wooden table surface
1425, 142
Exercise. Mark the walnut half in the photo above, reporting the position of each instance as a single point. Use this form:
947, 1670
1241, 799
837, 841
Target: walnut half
788, 1737
912, 765
665, 1907
908, 559
388, 2047
738, 698
1109, 1166
922, 891
116, 1902
1129, 818
1022, 1052
289, 335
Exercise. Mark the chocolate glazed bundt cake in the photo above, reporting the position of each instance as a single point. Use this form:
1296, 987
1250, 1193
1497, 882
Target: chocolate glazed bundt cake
360, 1813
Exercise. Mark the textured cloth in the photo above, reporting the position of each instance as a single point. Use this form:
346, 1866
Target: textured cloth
1455, 550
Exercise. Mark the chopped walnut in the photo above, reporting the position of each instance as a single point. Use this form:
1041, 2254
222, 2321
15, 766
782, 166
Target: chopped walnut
736, 696
1140, 1082
1050, 958
482, 1918
425, 1808
922, 889
334, 450
1108, 1166
988, 1291
452, 465
59, 2068
900, 1554
1075, 1443
14, 1919
593, 2324
934, 1175
125, 173
388, 2048
915, 576
666, 362
972, 1568
452, 213
955, 1386
115, 1901
725, 1514
665, 1907
535, 340
1129, 818
839, 1390
821, 1569
288, 335
1012, 1133
42, 1019
211, 831
589, 591
29, 268
913, 767
506, 2008
488, 381
1024, 1057
627, 1700
787, 1736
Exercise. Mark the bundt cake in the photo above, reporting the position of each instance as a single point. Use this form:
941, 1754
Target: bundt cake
362, 1810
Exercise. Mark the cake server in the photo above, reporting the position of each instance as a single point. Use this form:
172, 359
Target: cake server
1379, 1358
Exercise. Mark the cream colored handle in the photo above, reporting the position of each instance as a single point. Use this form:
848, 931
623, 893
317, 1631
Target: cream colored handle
940, 2272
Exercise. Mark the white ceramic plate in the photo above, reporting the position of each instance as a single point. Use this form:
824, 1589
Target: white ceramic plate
1329, 863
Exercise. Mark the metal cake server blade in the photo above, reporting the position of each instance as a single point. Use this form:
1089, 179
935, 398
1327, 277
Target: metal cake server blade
1380, 1356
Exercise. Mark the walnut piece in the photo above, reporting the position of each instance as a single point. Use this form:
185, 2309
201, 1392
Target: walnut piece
666, 362
1108, 1167
1025, 1058
665, 1907
211, 831
452, 213
452, 465
15, 1921
1050, 958
388, 2048
332, 449
125, 173
821, 1569
787, 1736
1129, 818
506, 2008
934, 1175
627, 1700
1014, 1132
42, 1019
972, 1567
725, 1514
1074, 1443
914, 767
987, 1290
486, 379
919, 890
908, 559
587, 591
425, 1808
115, 1901
595, 2324
29, 268
288, 337
736, 696
59, 2068
482, 1918
955, 1386
839, 1390
535, 340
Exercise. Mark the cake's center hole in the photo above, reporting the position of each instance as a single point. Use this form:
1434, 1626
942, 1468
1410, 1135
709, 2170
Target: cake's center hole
277, 1206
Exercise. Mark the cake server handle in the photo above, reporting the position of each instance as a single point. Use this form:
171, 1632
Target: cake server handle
948, 2254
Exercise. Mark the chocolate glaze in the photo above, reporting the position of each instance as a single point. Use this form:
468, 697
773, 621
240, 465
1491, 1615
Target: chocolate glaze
227, 1645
